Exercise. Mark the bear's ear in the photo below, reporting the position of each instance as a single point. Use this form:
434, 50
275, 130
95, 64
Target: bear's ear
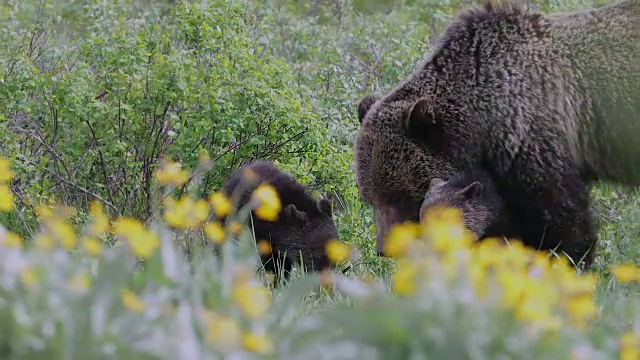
292, 213
418, 118
365, 104
472, 190
435, 182
324, 205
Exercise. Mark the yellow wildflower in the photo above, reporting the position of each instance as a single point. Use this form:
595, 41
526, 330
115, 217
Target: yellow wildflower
131, 301
204, 160
266, 202
29, 277
236, 228
171, 173
44, 212
225, 332
400, 238
581, 309
264, 247
629, 347
214, 232
80, 282
626, 273
100, 223
403, 279
6, 198
257, 343
252, 298
13, 240
63, 233
142, 241
44, 241
6, 173
92, 246
186, 213
220, 204
337, 251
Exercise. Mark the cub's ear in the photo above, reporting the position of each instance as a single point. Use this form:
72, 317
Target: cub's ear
365, 104
471, 191
324, 205
292, 213
419, 117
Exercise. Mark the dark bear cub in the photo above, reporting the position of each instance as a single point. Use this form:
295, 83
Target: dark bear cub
474, 194
303, 226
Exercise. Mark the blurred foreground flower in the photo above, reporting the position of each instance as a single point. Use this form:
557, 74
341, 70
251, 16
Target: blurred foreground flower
337, 251
6, 174
100, 220
214, 232
251, 297
629, 347
266, 202
131, 301
220, 204
257, 343
12, 240
6, 198
171, 173
626, 273
224, 332
400, 238
185, 213
142, 241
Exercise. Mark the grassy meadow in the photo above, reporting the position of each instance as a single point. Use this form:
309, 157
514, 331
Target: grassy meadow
121, 119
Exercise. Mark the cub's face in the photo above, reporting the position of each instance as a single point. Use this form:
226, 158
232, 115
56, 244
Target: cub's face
393, 171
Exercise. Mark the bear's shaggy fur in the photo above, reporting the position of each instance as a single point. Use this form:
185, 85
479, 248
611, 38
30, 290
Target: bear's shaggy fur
545, 104
476, 196
303, 227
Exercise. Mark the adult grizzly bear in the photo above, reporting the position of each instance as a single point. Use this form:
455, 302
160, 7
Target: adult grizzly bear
304, 225
546, 104
476, 196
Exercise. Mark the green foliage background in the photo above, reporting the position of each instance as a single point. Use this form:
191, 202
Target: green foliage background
94, 93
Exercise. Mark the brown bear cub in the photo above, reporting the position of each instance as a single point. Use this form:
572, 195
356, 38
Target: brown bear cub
475, 194
303, 226
547, 104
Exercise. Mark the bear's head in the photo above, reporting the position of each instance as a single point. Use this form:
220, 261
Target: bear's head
393, 163
308, 231
475, 196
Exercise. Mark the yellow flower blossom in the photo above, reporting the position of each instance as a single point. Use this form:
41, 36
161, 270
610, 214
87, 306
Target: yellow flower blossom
131, 301
220, 204
225, 332
44, 211
214, 232
91, 246
264, 247
251, 297
581, 309
400, 238
266, 202
100, 223
44, 241
12, 240
142, 241
6, 174
186, 213
171, 173
337, 251
80, 282
63, 233
629, 347
236, 228
404, 279
6, 198
30, 277
257, 343
626, 273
